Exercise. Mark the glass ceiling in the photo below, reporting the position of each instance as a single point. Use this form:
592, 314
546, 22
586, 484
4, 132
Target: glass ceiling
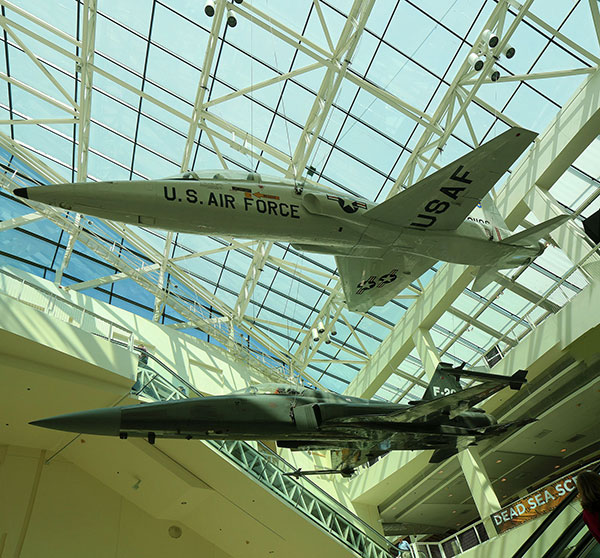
364, 97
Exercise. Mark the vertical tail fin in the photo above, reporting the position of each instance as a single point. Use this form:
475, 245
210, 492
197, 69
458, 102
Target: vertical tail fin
442, 383
491, 213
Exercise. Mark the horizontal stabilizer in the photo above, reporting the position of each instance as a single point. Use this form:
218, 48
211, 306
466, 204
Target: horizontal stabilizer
507, 427
536, 233
369, 282
591, 225
440, 455
515, 381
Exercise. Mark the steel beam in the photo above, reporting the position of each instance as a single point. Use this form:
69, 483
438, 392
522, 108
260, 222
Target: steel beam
409, 174
251, 280
20, 221
336, 70
443, 289
85, 68
529, 186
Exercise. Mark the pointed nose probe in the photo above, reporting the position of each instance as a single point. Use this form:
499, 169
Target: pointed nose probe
106, 422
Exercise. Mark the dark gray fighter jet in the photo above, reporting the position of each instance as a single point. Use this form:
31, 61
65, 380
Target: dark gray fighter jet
355, 430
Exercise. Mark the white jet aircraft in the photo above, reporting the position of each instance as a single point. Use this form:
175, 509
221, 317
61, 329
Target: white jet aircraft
379, 249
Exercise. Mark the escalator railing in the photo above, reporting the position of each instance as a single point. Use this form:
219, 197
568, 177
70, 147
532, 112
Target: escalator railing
559, 546
587, 547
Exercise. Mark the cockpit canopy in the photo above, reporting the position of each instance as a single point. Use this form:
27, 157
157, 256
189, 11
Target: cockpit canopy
217, 174
227, 174
289, 389
271, 389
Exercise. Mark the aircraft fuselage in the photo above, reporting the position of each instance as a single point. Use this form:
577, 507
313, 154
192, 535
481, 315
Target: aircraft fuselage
312, 218
304, 421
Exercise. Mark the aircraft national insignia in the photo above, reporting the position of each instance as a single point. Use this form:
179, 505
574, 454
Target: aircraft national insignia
375, 281
347, 207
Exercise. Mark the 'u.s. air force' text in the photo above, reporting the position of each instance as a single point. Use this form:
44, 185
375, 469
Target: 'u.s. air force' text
227, 201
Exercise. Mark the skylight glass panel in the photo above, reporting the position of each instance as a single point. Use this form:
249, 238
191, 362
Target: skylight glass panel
335, 16
120, 44
587, 162
26, 247
44, 229
293, 15
135, 14
161, 139
152, 165
184, 36
273, 52
110, 144
101, 168
364, 52
424, 40
231, 280
352, 173
559, 264
61, 16
513, 325
55, 145
173, 74
28, 71
467, 304
392, 312
333, 384
552, 12
297, 102
458, 58
154, 108
114, 115
110, 83
10, 208
481, 122
226, 295
529, 43
559, 89
284, 135
130, 290
403, 77
498, 94
579, 26
530, 109
458, 16
376, 150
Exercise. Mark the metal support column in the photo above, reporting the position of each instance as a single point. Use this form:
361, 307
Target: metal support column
480, 485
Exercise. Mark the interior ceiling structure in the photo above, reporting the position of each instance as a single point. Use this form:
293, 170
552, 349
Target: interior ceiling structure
360, 96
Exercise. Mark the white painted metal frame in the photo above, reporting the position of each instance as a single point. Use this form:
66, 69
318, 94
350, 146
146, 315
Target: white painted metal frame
436, 129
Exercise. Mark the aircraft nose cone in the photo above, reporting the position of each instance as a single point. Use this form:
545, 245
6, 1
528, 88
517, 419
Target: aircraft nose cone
21, 192
105, 422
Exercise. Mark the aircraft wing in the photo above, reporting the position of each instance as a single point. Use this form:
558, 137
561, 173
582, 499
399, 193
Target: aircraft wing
444, 199
451, 405
369, 283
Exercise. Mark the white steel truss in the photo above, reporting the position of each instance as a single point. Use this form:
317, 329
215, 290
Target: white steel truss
333, 57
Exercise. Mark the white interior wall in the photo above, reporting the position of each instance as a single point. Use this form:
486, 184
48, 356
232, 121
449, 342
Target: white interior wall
75, 515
